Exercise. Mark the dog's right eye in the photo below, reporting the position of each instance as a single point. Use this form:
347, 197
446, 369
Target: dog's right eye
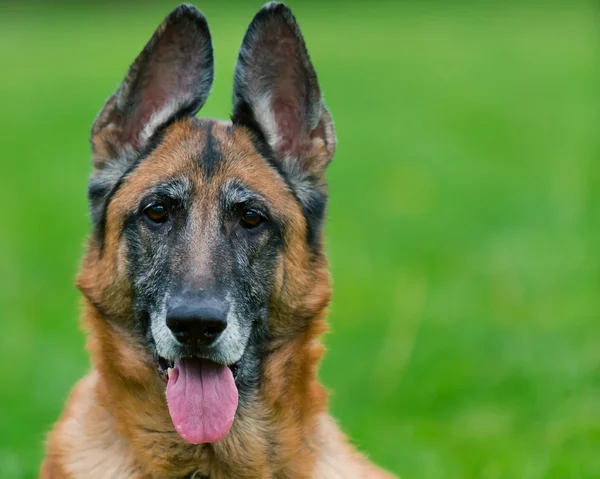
157, 213
250, 219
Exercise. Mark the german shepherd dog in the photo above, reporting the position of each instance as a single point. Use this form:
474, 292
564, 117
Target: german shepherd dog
205, 280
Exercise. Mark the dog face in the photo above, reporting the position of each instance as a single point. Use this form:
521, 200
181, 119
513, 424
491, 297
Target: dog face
202, 239
207, 234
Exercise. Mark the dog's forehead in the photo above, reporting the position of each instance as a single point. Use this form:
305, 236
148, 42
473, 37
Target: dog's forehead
204, 148
210, 154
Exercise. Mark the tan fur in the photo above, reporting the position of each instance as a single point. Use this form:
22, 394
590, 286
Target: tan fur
116, 423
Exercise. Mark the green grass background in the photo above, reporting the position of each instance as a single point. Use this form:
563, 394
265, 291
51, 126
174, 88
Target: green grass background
463, 226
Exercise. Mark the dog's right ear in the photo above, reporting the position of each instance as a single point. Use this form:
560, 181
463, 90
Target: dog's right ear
171, 78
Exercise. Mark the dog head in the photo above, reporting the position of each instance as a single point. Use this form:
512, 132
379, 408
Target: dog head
206, 244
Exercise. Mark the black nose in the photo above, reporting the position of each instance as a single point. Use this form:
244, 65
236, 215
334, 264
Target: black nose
197, 322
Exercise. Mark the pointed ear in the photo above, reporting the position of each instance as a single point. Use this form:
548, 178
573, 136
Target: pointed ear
170, 78
276, 92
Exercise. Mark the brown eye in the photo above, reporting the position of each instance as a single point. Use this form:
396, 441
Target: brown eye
250, 219
157, 213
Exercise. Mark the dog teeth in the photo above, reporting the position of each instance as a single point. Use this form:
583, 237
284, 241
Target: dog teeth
169, 372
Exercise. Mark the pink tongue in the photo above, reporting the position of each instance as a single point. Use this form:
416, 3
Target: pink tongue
202, 399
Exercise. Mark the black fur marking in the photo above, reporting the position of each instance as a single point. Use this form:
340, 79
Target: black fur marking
313, 208
142, 324
211, 155
244, 116
97, 191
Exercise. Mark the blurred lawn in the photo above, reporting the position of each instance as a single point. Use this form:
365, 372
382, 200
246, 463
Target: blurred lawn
463, 228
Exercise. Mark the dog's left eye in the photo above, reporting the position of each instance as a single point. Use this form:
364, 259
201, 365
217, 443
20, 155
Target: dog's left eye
157, 213
250, 219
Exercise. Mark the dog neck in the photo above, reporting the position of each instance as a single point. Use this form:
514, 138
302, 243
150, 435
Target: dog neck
272, 433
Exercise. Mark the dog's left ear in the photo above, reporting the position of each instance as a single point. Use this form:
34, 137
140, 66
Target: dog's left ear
277, 95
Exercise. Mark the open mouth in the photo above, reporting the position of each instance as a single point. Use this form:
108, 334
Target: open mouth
165, 365
202, 397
